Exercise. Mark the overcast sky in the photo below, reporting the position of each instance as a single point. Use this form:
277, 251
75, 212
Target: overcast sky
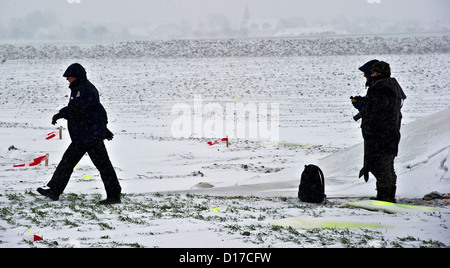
21, 15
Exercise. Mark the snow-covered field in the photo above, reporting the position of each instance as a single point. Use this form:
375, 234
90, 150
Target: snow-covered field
171, 184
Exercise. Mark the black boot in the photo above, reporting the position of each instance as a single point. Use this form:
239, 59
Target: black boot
392, 191
386, 194
48, 193
110, 201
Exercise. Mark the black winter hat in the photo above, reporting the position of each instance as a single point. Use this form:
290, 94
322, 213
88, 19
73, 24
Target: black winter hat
367, 67
382, 68
77, 71
367, 70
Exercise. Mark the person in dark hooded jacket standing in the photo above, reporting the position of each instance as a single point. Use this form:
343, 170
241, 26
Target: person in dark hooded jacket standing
381, 122
87, 120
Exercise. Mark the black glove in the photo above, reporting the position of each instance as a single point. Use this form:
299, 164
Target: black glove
55, 118
108, 134
358, 102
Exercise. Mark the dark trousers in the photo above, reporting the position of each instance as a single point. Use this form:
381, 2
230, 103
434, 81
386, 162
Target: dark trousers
382, 167
99, 156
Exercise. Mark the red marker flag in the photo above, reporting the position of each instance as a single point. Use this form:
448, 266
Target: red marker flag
48, 136
35, 162
51, 135
217, 142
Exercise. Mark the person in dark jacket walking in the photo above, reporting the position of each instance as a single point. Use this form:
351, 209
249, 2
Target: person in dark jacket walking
87, 120
381, 122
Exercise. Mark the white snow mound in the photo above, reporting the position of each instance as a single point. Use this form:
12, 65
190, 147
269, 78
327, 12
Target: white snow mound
421, 166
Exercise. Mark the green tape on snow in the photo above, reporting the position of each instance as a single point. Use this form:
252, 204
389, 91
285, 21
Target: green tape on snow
307, 223
293, 143
387, 206
384, 203
284, 143
220, 209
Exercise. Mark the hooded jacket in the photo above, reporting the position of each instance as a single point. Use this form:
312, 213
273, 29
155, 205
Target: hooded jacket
381, 116
367, 70
86, 117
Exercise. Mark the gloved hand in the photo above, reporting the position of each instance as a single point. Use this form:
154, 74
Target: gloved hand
55, 118
108, 134
358, 102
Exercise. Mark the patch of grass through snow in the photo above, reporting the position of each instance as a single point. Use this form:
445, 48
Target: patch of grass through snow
143, 215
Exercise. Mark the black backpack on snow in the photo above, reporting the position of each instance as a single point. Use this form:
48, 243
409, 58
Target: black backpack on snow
312, 185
